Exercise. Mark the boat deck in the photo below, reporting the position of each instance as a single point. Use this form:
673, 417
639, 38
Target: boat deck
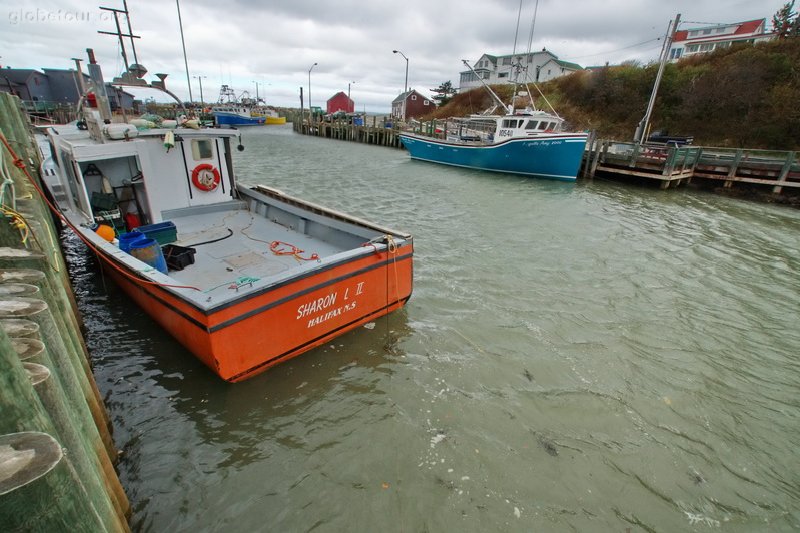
242, 251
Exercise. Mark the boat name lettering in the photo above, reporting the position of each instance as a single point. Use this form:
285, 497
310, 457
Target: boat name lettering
332, 314
505, 133
316, 305
544, 143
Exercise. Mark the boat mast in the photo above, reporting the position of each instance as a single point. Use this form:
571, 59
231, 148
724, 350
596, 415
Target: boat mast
641, 128
516, 66
498, 101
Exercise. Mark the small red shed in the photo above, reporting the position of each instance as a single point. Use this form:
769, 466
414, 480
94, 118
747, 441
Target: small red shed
340, 102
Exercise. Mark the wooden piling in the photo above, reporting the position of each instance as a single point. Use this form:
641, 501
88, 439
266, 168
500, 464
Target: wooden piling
38, 488
76, 377
28, 350
20, 328
100, 488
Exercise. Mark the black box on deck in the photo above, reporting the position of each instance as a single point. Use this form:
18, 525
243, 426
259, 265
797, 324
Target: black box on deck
178, 257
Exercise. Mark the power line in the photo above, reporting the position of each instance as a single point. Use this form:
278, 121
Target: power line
617, 50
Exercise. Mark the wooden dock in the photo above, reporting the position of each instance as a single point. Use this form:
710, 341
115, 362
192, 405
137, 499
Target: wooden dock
380, 132
676, 165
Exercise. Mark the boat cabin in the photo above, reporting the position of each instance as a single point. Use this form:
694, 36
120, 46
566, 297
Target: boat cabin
492, 129
137, 179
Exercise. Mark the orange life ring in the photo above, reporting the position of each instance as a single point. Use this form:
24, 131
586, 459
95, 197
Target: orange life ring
205, 177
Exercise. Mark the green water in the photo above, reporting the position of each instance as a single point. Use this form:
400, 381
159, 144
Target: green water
590, 357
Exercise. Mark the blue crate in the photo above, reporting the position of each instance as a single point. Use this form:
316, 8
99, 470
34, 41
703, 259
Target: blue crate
162, 232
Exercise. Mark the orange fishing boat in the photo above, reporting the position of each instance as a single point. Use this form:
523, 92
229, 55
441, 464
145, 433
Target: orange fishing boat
245, 277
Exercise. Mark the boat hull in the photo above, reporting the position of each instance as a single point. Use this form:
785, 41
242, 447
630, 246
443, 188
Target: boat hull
276, 120
556, 157
269, 327
229, 119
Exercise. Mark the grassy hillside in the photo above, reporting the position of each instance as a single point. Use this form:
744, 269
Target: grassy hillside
743, 96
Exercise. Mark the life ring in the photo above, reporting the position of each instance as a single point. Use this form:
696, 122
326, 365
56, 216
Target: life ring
205, 177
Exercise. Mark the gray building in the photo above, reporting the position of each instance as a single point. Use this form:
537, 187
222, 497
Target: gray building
28, 84
55, 86
64, 84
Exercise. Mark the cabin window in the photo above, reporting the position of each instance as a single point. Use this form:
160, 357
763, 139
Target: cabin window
532, 124
202, 149
502, 74
510, 123
543, 125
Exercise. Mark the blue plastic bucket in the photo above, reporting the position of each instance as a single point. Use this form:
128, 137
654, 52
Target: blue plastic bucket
148, 251
126, 239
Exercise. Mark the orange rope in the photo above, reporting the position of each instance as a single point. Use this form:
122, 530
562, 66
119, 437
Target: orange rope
290, 249
18, 162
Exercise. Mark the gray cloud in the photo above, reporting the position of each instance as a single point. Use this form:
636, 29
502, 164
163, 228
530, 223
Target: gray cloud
274, 43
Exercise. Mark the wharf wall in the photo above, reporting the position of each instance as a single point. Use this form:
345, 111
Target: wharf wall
57, 454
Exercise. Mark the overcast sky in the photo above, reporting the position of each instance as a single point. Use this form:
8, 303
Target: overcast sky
275, 42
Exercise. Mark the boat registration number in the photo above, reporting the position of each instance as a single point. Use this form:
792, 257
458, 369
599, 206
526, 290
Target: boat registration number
505, 133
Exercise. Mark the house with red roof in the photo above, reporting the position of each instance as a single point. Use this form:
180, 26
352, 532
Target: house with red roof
708, 38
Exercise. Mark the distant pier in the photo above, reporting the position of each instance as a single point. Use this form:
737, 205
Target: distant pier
380, 132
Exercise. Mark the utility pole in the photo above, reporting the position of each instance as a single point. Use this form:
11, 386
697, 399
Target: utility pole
641, 128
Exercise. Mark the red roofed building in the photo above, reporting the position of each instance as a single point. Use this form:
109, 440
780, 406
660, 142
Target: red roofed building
706, 39
340, 102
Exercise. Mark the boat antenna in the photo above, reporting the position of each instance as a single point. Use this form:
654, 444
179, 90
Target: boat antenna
497, 99
130, 31
530, 46
119, 33
134, 73
185, 61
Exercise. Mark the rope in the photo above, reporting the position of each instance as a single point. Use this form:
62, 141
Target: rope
8, 183
392, 247
235, 284
230, 233
284, 248
18, 221
21, 164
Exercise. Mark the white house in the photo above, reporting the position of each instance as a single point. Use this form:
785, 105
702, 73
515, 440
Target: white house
539, 66
708, 38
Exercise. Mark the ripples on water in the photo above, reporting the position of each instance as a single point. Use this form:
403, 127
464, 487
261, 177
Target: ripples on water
587, 357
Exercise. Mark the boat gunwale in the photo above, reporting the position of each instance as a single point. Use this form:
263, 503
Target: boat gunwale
462, 144
208, 312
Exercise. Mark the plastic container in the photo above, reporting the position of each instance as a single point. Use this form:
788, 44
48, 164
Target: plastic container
126, 239
121, 131
178, 257
148, 251
163, 232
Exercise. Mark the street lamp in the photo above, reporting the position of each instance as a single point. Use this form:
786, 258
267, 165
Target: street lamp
348, 88
200, 79
309, 92
404, 57
253, 81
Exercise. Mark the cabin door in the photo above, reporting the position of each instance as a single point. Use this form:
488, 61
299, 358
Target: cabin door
207, 176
